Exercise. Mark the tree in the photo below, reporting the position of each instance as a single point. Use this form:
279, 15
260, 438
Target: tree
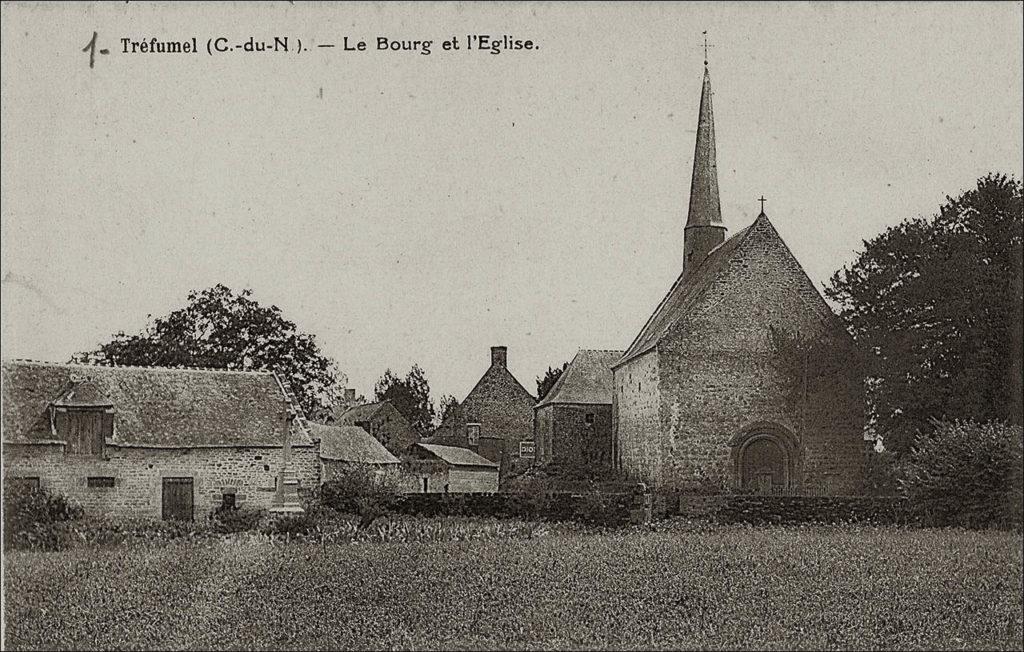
220, 329
447, 407
409, 395
937, 305
545, 383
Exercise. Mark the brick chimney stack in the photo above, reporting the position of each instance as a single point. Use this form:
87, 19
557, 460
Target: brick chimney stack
499, 356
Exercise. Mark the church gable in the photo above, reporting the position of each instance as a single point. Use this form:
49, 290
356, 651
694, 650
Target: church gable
758, 283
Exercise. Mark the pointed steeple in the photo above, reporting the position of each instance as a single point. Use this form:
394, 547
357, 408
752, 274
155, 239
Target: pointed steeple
704, 229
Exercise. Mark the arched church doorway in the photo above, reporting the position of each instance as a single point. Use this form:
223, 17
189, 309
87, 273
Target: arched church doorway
765, 460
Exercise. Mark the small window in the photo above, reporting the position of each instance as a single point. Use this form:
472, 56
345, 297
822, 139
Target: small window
228, 500
100, 482
589, 418
473, 433
25, 482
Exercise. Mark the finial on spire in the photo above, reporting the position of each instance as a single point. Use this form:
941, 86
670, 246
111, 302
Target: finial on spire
705, 48
762, 200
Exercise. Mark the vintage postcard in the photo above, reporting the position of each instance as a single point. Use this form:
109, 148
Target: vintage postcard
540, 325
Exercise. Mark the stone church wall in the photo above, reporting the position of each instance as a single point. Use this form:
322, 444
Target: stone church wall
717, 377
639, 435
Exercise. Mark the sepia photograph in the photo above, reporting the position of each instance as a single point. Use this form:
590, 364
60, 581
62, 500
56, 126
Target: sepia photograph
512, 325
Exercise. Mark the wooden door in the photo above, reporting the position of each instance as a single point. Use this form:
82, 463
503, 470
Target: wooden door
177, 499
85, 432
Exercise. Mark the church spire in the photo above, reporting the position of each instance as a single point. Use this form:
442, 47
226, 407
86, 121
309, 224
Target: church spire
704, 229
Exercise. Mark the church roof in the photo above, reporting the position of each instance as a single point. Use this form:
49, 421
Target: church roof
154, 407
683, 293
587, 380
350, 444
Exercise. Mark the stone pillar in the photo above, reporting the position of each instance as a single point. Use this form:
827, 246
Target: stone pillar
286, 500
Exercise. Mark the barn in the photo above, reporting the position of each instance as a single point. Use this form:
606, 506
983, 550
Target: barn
154, 442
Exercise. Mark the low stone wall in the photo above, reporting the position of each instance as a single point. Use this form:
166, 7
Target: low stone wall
599, 509
789, 509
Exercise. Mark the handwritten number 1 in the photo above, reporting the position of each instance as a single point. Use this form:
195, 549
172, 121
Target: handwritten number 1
91, 49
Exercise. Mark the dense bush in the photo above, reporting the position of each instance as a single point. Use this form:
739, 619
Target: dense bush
241, 519
293, 525
881, 474
32, 516
967, 474
368, 493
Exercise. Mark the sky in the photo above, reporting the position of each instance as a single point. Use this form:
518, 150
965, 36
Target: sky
410, 208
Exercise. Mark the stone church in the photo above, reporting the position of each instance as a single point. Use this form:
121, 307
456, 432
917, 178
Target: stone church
696, 400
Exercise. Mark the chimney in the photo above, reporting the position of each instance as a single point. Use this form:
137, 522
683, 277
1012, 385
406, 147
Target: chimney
499, 356
350, 394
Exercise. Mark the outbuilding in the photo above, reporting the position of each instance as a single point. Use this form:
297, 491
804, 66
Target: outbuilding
449, 469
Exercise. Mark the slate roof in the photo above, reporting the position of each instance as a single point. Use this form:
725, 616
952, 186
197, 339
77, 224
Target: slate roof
358, 413
683, 293
587, 380
350, 444
457, 456
84, 395
153, 406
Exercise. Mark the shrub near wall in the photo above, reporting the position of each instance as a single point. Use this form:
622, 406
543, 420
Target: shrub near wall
967, 474
788, 510
591, 508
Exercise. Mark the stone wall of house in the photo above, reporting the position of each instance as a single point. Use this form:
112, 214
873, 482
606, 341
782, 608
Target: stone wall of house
543, 433
472, 480
638, 435
423, 476
502, 407
717, 377
391, 429
138, 475
570, 440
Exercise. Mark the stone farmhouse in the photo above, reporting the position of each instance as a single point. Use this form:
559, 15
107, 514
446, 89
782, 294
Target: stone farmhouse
433, 468
383, 422
573, 423
495, 419
695, 398
154, 442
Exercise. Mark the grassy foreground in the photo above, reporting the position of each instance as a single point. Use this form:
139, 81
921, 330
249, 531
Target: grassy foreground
813, 587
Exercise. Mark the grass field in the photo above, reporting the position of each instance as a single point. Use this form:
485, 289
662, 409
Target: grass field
812, 587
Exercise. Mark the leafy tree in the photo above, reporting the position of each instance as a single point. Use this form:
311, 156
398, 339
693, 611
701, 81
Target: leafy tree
224, 330
545, 383
937, 303
447, 407
409, 395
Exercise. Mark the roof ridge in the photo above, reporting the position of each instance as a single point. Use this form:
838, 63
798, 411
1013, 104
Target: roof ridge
92, 365
735, 239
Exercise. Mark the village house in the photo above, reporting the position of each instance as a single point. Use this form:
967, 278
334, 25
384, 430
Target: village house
155, 442
573, 422
696, 398
496, 418
383, 422
346, 447
432, 468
